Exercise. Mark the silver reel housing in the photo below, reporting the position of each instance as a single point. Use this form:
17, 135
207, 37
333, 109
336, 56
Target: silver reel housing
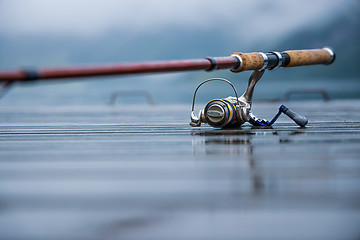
235, 111
227, 112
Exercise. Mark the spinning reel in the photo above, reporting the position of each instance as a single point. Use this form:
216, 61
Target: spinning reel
235, 111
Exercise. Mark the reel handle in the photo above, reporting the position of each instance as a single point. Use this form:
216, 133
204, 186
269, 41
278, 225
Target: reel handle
297, 118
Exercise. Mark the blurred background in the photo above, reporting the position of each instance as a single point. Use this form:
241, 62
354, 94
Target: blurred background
41, 33
97, 172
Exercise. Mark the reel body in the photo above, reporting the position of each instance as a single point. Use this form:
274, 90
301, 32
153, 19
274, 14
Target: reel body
235, 111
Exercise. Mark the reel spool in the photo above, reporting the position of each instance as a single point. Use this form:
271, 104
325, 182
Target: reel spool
221, 113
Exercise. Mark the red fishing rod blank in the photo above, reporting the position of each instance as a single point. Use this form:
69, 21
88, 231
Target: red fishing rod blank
237, 62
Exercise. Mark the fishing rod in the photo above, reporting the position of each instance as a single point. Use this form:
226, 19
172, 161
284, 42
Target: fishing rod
236, 62
220, 113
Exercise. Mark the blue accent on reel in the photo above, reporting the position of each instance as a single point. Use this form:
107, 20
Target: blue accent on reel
298, 119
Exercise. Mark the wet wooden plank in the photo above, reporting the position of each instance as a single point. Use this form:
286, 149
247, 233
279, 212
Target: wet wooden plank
140, 172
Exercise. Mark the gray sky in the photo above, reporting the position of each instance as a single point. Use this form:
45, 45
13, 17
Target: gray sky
95, 17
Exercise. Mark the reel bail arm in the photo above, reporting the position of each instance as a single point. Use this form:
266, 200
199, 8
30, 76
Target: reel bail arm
215, 113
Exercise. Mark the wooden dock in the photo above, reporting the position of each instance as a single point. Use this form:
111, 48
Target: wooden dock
141, 172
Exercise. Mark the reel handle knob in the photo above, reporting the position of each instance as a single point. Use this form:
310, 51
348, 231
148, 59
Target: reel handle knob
297, 118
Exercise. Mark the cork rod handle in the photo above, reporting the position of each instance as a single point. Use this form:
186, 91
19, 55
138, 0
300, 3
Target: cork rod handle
291, 58
309, 57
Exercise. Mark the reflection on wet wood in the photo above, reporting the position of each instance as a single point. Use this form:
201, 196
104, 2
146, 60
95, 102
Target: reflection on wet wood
142, 173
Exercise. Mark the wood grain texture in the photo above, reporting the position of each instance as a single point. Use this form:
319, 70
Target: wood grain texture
141, 172
251, 61
308, 57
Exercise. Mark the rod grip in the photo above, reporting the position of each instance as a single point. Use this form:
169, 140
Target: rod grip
310, 57
290, 58
249, 61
